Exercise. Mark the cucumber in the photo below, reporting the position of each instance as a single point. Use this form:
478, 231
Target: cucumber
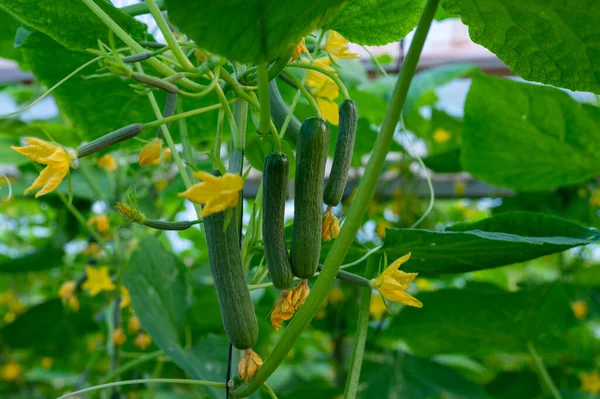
311, 154
342, 158
279, 111
237, 312
275, 177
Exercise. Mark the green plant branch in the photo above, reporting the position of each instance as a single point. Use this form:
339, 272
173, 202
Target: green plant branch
270, 391
140, 8
169, 37
238, 89
329, 74
311, 100
356, 213
188, 156
146, 381
163, 121
542, 373
237, 143
358, 349
263, 96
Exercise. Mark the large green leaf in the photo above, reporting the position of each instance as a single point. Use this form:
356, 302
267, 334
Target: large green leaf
377, 22
483, 319
549, 41
160, 296
71, 23
528, 137
8, 29
504, 239
251, 30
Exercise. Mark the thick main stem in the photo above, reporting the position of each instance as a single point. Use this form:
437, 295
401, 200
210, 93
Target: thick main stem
365, 192
542, 373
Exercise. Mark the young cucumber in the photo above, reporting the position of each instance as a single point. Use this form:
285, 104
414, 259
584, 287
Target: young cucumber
275, 177
342, 158
279, 111
225, 257
311, 154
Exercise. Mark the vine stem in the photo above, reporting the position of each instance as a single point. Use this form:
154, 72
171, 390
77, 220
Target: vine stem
169, 37
311, 100
542, 372
358, 349
263, 96
327, 73
146, 381
366, 190
176, 117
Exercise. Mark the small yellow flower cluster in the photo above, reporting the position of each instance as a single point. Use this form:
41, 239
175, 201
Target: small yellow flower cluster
14, 304
288, 303
108, 163
68, 296
249, 364
151, 153
590, 382
580, 309
441, 136
11, 371
101, 223
299, 49
216, 193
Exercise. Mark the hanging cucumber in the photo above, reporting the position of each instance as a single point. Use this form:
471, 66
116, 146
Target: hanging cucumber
342, 157
311, 154
279, 111
225, 257
275, 177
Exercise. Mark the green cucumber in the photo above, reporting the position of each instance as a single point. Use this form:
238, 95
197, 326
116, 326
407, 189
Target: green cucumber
279, 111
237, 312
311, 155
342, 158
275, 177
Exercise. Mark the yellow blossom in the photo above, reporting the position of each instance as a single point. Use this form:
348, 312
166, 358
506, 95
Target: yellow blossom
283, 309
93, 249
324, 90
97, 280
331, 226
150, 154
142, 341
441, 136
590, 382
108, 163
217, 193
133, 325
377, 306
130, 212
393, 283
249, 364
67, 294
381, 227
11, 371
299, 294
125, 298
118, 336
299, 49
101, 223
56, 159
580, 309
337, 46
47, 362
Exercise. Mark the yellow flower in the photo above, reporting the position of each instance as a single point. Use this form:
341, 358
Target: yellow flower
393, 283
108, 163
283, 309
299, 49
590, 382
331, 226
56, 159
381, 227
93, 249
47, 362
133, 325
580, 309
142, 341
130, 212
299, 294
150, 154
337, 46
97, 280
66, 292
217, 193
377, 307
11, 371
441, 136
125, 297
249, 364
118, 336
101, 223
324, 90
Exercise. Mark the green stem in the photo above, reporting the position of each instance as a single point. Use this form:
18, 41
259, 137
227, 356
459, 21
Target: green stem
237, 144
238, 89
311, 100
542, 373
131, 364
135, 46
187, 114
356, 213
263, 96
140, 8
329, 74
240, 114
146, 381
270, 391
169, 37
360, 338
81, 220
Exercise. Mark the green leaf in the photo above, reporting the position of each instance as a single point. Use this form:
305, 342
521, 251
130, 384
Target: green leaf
159, 295
528, 137
8, 29
444, 162
259, 147
63, 134
377, 22
504, 239
250, 31
483, 319
71, 24
547, 41
7, 154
